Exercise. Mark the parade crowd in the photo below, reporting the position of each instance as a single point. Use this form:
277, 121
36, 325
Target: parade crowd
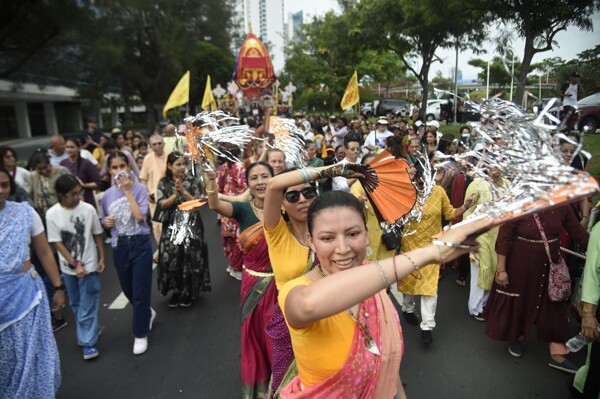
316, 276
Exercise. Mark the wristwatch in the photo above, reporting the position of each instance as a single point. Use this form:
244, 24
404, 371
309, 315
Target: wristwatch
60, 287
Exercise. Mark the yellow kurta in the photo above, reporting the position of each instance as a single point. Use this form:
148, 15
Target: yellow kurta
376, 250
485, 257
425, 280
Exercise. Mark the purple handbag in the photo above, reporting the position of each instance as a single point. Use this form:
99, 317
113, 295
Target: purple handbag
559, 280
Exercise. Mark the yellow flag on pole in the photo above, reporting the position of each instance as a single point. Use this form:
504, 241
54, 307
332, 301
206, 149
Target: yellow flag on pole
180, 95
351, 95
208, 101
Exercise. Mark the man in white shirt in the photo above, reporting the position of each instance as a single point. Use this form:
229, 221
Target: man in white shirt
352, 156
375, 141
570, 94
338, 131
57, 152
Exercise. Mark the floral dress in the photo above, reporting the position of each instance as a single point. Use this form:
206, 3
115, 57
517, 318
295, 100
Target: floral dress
231, 181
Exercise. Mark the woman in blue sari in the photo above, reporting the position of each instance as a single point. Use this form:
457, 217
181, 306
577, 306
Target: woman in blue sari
28, 353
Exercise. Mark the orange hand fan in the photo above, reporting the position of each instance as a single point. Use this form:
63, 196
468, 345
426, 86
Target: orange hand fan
191, 205
389, 188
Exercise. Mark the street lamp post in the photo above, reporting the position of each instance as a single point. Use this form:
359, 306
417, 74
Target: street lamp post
487, 84
512, 77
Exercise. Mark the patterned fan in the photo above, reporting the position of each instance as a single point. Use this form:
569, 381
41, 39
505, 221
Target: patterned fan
389, 188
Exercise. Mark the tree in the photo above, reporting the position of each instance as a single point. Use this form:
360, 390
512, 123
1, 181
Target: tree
498, 74
36, 36
538, 22
417, 29
144, 47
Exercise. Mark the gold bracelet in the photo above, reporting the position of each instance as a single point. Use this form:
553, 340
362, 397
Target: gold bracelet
209, 192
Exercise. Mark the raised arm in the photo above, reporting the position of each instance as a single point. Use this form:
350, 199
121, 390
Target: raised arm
212, 192
278, 184
328, 296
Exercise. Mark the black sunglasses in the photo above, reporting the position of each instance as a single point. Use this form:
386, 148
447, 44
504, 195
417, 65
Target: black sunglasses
294, 196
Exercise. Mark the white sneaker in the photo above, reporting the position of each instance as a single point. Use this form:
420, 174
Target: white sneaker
140, 345
152, 317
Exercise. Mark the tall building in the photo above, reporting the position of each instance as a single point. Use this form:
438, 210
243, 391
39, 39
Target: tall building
265, 18
294, 26
452, 74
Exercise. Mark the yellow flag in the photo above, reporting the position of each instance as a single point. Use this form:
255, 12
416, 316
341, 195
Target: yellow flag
180, 95
351, 95
208, 101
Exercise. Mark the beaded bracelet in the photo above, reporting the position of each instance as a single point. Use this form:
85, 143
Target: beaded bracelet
383, 277
410, 259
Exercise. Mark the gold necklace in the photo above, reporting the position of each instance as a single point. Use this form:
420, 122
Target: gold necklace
256, 209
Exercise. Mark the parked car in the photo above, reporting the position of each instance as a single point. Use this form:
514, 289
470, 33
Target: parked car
393, 106
367, 108
589, 113
434, 108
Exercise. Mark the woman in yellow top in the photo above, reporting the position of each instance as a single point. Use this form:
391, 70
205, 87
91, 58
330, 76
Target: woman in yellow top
376, 250
345, 332
286, 204
424, 283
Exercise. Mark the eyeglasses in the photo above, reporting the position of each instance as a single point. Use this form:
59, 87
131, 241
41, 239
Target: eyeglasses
294, 196
161, 143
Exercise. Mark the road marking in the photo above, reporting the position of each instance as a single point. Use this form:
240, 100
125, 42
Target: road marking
121, 301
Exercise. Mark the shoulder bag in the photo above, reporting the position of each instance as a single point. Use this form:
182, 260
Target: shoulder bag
559, 281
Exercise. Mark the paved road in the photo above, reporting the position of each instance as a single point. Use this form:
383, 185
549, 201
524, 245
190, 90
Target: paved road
194, 353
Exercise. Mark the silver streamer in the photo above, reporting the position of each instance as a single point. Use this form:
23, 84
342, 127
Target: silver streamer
219, 129
526, 148
181, 230
289, 139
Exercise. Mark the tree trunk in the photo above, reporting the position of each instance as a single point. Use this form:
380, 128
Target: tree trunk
424, 80
127, 107
528, 54
150, 114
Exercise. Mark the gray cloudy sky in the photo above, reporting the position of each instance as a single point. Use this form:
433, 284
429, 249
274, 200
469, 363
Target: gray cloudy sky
570, 42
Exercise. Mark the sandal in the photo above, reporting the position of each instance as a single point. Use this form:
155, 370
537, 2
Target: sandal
461, 282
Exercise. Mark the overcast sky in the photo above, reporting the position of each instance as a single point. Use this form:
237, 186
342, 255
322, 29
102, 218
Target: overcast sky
570, 42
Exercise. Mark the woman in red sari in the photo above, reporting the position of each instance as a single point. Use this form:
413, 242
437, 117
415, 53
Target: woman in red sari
345, 331
258, 292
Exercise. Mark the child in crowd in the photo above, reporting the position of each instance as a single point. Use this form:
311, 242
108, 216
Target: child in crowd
125, 207
73, 227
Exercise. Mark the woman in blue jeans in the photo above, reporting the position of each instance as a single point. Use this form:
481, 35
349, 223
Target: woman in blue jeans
125, 206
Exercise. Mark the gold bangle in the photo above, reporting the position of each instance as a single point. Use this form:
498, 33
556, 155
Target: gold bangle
209, 192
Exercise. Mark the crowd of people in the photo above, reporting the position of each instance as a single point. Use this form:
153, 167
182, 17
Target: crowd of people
316, 278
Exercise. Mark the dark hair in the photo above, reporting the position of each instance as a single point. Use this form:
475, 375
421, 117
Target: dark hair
369, 155
338, 147
445, 142
10, 180
142, 144
64, 184
109, 145
350, 138
38, 159
116, 135
171, 158
395, 144
117, 154
343, 120
333, 199
463, 127
307, 143
5, 150
259, 163
74, 140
